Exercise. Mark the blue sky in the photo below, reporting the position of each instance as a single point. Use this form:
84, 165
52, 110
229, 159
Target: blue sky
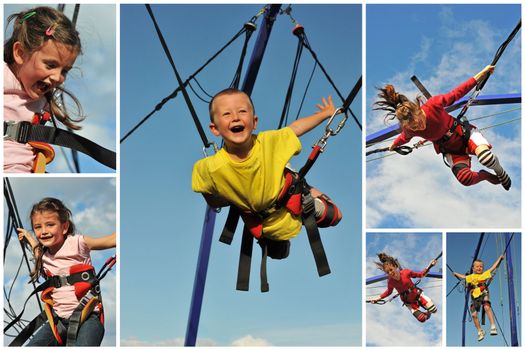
460, 251
442, 45
162, 218
93, 204
392, 324
92, 80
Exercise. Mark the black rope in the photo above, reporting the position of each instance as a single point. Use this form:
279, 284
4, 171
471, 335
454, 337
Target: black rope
306, 91
159, 106
250, 28
314, 55
495, 60
196, 120
299, 32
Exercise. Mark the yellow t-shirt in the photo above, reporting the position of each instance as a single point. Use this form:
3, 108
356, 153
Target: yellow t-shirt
254, 183
475, 279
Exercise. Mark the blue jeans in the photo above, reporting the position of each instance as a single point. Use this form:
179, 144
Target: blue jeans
90, 333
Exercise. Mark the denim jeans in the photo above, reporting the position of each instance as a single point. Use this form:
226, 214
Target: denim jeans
90, 333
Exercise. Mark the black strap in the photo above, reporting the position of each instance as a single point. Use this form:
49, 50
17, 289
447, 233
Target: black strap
264, 276
230, 226
314, 238
402, 150
74, 321
421, 87
29, 330
245, 261
24, 132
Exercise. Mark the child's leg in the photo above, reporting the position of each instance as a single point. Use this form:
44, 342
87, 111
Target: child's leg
420, 316
91, 332
490, 315
479, 146
43, 337
460, 165
326, 212
427, 303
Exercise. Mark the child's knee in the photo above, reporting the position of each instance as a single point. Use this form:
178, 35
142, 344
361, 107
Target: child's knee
326, 212
486, 306
474, 315
463, 174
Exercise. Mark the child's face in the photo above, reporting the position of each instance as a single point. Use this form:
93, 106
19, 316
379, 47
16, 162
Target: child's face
44, 69
391, 271
48, 229
233, 119
477, 267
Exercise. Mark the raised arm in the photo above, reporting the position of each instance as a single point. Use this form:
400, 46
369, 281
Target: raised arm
496, 264
458, 275
101, 243
24, 234
303, 125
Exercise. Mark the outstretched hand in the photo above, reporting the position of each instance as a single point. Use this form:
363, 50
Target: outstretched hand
327, 107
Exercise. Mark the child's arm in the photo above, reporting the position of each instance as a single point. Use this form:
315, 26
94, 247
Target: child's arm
101, 243
303, 125
487, 70
215, 201
24, 234
496, 264
458, 275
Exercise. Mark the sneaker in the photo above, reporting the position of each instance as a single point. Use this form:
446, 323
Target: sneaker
493, 331
481, 335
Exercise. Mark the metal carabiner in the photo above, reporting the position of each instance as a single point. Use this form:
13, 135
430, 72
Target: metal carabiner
211, 144
340, 126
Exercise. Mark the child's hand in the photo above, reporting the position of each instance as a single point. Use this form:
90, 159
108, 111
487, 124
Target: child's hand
433, 262
391, 147
501, 258
327, 107
23, 234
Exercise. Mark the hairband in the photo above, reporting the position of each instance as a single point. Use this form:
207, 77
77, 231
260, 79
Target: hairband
26, 16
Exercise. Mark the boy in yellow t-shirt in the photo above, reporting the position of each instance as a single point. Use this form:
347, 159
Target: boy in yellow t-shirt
477, 283
248, 172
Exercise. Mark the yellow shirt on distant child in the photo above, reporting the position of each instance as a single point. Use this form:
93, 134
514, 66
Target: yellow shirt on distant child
254, 183
475, 279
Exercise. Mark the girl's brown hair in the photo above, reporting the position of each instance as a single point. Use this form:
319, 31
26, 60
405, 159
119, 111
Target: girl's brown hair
64, 215
32, 28
386, 259
398, 106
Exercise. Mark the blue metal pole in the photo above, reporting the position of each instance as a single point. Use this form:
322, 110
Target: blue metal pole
209, 221
512, 297
476, 252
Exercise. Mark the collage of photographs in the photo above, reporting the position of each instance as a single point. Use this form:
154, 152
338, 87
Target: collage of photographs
372, 151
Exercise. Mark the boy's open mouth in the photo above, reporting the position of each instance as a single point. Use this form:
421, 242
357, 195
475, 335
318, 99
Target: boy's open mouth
237, 129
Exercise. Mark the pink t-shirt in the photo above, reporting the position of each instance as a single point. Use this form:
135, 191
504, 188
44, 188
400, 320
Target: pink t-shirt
18, 157
74, 251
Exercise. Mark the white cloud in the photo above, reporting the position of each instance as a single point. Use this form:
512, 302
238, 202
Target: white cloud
249, 340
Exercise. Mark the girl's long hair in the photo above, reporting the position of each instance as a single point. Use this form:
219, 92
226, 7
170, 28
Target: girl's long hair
398, 106
386, 259
32, 28
64, 215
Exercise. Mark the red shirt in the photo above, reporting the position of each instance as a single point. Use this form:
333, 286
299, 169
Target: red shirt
438, 121
403, 284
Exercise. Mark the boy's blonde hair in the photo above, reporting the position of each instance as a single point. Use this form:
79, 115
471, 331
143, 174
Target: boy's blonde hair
228, 91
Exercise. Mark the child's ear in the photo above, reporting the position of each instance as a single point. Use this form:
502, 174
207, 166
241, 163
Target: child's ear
19, 53
214, 129
255, 120
65, 227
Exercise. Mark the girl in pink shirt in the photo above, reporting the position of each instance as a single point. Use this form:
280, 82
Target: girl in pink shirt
401, 280
58, 251
431, 122
41, 51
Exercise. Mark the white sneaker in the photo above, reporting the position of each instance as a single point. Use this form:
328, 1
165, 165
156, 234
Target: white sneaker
481, 335
493, 331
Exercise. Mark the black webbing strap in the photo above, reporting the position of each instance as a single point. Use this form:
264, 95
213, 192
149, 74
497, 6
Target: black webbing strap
353, 93
314, 237
263, 274
24, 132
245, 261
495, 60
29, 330
402, 150
196, 120
249, 27
74, 321
230, 226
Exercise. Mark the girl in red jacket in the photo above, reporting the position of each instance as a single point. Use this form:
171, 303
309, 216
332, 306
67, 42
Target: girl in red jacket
400, 280
456, 141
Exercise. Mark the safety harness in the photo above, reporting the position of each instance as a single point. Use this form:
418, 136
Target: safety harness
296, 198
87, 290
39, 134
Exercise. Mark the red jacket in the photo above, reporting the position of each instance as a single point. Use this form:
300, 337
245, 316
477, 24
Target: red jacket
438, 121
404, 284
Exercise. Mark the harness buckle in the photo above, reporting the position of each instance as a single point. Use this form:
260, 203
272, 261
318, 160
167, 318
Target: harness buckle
211, 144
16, 131
308, 203
61, 281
